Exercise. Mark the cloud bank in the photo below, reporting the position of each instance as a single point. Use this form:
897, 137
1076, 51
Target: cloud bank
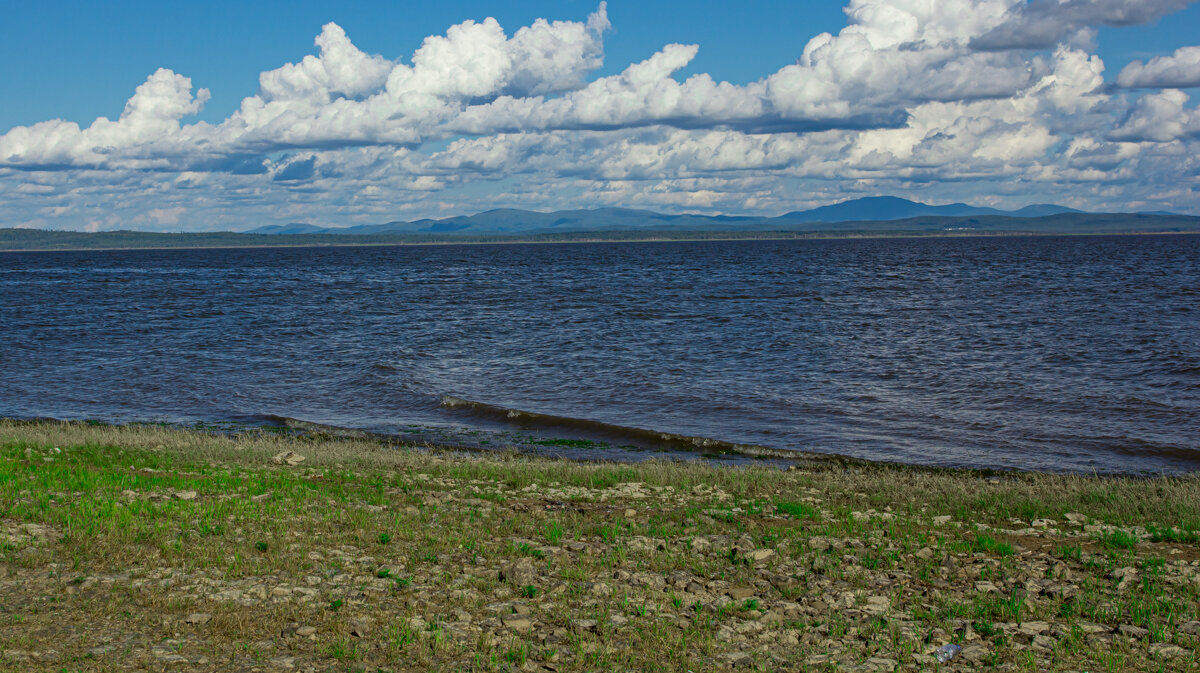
992, 101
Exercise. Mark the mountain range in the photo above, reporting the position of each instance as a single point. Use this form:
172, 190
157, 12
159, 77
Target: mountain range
513, 221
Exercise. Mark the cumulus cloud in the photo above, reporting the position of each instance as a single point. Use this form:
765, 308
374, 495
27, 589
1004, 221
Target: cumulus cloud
995, 94
1159, 117
1039, 24
1179, 70
147, 126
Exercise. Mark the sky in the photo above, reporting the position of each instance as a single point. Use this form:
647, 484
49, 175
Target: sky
229, 116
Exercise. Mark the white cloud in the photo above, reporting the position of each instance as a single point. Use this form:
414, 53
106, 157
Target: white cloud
148, 126
910, 97
1179, 70
1039, 24
1159, 117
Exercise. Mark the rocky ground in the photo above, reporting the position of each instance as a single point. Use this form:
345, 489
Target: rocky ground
149, 549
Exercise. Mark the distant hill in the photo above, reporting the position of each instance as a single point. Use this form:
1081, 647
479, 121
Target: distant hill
290, 228
883, 208
510, 226
511, 221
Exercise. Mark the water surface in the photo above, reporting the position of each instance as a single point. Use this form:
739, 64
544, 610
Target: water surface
1059, 353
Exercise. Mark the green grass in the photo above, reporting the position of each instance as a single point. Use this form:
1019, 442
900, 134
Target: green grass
1118, 539
990, 545
109, 503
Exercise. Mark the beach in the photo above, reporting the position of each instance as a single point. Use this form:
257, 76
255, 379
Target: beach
151, 548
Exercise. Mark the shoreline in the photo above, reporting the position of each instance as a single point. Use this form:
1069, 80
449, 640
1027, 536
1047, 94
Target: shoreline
697, 239
140, 547
545, 444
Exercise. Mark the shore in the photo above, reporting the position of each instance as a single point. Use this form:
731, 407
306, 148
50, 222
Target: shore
368, 241
148, 548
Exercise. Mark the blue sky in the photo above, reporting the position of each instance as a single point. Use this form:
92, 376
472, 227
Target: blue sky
742, 108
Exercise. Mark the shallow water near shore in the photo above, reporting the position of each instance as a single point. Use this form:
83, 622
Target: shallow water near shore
1051, 353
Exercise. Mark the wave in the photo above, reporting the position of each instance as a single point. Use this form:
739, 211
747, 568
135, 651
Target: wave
529, 420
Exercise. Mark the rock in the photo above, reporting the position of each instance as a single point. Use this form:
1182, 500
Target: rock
1131, 631
1167, 650
1032, 629
771, 618
185, 495
1192, 628
877, 605
740, 593
974, 652
1043, 644
878, 665
583, 625
519, 573
284, 662
630, 513
924, 553
738, 659
599, 589
306, 631
1043, 523
942, 520
197, 618
986, 587
288, 458
760, 555
517, 622
1076, 518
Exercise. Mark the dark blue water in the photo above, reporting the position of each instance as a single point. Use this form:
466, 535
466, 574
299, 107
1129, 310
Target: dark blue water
1071, 353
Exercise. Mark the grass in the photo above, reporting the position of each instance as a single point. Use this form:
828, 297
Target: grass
114, 535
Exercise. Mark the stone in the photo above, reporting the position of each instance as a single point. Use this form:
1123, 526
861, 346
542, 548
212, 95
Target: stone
760, 555
1167, 650
306, 631
1042, 644
924, 553
519, 573
974, 652
877, 605
1192, 628
740, 593
583, 625
1076, 518
942, 520
517, 622
288, 458
738, 659
185, 495
771, 618
1131, 631
986, 587
197, 618
1032, 629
